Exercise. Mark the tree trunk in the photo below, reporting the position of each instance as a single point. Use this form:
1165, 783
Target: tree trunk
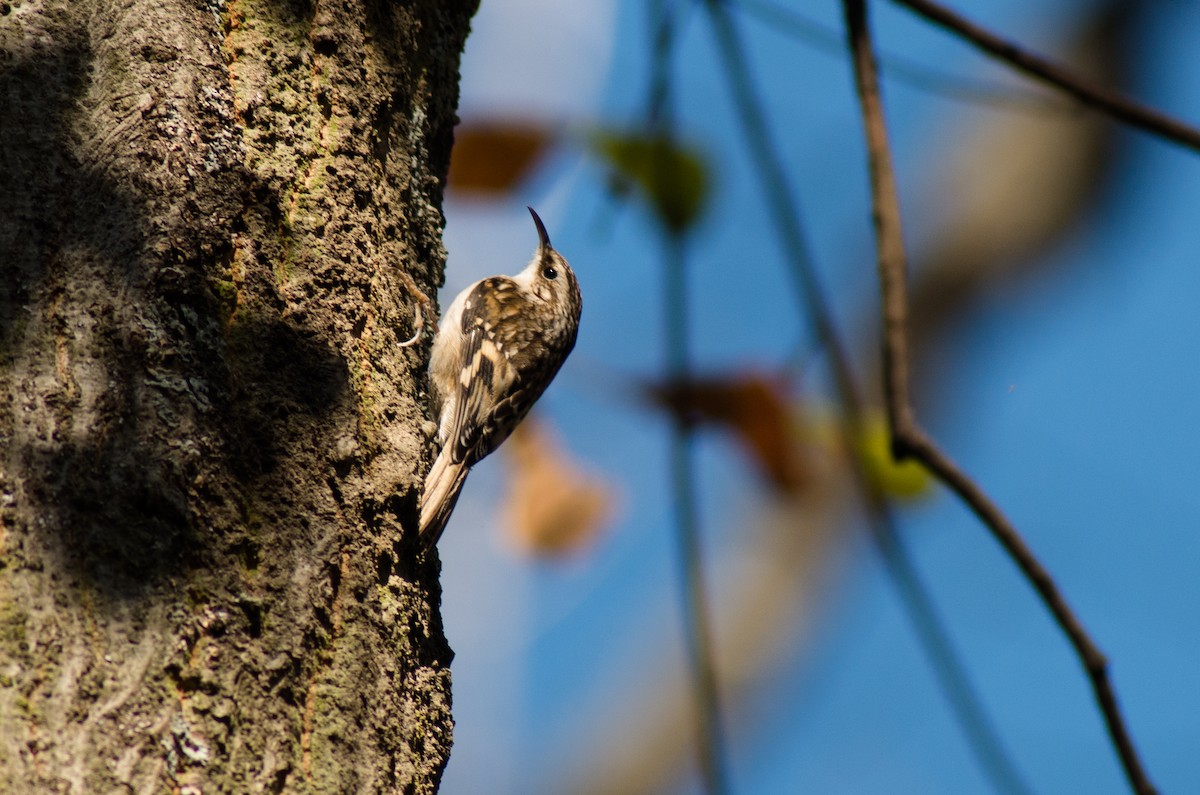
216, 219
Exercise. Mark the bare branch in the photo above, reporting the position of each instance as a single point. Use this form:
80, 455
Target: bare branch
909, 440
791, 22
1121, 108
785, 214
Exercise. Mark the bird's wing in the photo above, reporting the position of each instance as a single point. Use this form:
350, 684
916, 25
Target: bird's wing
487, 375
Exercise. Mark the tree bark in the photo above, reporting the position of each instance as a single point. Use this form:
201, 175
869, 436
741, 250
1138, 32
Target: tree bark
216, 219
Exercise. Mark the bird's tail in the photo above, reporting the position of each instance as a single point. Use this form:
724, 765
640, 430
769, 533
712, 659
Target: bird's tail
442, 485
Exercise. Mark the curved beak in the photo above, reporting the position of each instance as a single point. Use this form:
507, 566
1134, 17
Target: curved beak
542, 236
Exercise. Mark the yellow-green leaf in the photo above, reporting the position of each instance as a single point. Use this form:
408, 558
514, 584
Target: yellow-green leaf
906, 480
672, 177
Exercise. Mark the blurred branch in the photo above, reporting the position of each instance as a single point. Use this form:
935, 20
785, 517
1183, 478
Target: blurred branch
785, 213
697, 625
662, 26
948, 667
1109, 102
908, 438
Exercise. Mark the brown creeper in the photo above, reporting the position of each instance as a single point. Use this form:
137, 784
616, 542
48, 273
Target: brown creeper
498, 347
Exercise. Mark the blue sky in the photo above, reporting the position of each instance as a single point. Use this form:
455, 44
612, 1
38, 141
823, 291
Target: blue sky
1071, 398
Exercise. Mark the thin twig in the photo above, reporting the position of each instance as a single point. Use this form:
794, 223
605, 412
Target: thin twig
909, 440
697, 623
1127, 110
810, 294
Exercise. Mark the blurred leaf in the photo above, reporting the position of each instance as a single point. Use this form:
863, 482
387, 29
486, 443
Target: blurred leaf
552, 507
494, 157
907, 480
673, 178
755, 408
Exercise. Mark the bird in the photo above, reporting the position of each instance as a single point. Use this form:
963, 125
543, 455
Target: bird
498, 346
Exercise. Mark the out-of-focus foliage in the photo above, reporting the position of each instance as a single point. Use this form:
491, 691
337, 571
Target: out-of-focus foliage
673, 178
783, 437
552, 506
754, 407
491, 158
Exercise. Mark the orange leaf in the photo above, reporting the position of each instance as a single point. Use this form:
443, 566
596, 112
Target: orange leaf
494, 157
552, 507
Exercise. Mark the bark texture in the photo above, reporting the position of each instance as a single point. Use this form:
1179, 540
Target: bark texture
214, 219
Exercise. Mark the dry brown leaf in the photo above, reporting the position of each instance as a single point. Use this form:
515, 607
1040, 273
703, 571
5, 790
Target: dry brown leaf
754, 407
494, 157
553, 507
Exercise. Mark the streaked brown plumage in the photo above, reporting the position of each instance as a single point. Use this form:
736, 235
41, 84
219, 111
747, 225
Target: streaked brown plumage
500, 344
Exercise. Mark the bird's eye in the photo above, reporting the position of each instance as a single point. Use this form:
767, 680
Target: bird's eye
550, 272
